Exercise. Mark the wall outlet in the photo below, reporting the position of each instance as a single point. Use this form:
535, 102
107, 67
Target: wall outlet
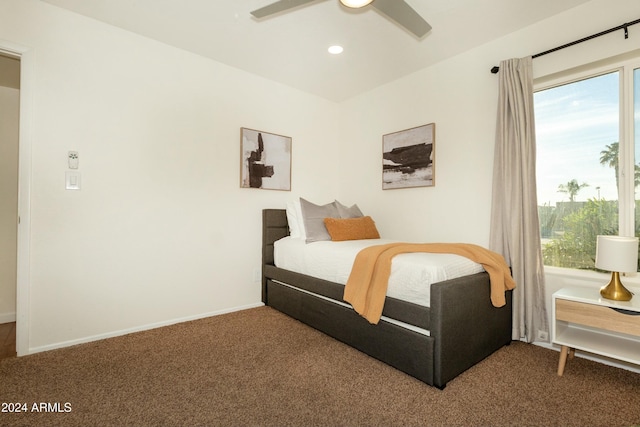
257, 275
543, 336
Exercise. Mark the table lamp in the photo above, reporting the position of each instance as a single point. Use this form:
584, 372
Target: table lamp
616, 254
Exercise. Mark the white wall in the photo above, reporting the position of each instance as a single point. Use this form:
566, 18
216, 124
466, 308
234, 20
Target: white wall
9, 117
160, 230
458, 96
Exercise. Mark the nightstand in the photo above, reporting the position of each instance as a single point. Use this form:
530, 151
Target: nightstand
583, 320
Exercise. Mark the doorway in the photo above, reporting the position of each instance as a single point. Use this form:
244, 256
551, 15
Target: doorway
26, 58
9, 142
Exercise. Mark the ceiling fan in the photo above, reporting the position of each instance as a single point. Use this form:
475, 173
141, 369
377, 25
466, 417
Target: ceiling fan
397, 10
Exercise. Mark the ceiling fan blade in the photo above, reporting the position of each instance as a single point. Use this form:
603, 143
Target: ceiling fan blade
279, 6
403, 14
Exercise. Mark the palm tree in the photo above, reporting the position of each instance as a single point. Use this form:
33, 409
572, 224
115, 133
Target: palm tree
571, 188
609, 157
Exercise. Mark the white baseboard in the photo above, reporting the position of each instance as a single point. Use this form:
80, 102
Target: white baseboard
594, 357
113, 334
7, 317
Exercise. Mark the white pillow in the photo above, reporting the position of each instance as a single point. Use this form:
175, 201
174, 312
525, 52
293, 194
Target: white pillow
292, 219
301, 228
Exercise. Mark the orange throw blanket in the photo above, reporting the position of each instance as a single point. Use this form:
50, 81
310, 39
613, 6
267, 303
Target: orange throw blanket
366, 287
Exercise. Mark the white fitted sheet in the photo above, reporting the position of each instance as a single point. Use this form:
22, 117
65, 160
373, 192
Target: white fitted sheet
411, 274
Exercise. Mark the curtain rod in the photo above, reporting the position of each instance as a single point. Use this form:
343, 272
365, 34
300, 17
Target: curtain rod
624, 27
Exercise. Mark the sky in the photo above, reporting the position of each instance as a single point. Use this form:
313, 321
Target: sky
574, 124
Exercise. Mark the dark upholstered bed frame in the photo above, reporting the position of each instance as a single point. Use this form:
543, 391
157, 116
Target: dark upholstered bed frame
464, 326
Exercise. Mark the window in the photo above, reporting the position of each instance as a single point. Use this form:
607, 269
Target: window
586, 146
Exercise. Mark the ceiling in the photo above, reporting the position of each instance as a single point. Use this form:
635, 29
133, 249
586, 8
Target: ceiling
291, 47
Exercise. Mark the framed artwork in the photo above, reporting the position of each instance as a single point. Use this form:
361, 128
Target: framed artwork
266, 160
408, 158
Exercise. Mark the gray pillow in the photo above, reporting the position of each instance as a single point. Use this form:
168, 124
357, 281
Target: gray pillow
313, 217
345, 212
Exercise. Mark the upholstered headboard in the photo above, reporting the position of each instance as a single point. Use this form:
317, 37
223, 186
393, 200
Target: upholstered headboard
274, 227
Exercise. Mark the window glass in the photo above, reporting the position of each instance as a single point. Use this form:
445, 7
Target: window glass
577, 136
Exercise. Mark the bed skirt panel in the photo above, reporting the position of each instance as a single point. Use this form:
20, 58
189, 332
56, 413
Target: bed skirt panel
408, 351
404, 311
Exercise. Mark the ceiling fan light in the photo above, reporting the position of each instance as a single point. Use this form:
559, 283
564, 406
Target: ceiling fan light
355, 4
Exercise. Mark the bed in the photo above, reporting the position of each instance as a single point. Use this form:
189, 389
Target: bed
434, 344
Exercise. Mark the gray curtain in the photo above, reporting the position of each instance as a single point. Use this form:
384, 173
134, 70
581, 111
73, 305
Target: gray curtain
515, 231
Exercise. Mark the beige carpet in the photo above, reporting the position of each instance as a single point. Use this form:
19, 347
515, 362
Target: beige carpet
261, 368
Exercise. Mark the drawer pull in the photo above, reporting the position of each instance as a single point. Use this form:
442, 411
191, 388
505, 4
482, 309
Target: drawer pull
627, 312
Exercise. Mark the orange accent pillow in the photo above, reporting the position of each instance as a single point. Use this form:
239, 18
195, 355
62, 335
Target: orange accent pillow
341, 229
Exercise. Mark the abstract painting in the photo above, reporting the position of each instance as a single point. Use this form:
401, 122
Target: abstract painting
266, 160
408, 158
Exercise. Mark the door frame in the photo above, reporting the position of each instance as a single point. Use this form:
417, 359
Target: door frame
23, 285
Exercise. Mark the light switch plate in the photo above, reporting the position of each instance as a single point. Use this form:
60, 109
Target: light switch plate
72, 180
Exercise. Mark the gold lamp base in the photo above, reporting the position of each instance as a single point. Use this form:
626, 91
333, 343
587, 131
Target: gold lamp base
615, 290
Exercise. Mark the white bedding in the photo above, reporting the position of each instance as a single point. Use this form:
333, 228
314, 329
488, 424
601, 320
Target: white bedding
411, 274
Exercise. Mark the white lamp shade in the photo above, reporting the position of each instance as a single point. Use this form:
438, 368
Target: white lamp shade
355, 3
617, 253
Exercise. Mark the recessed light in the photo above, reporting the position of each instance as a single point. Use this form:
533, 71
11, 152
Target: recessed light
335, 49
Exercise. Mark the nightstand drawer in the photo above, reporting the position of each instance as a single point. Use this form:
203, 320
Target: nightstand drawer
597, 316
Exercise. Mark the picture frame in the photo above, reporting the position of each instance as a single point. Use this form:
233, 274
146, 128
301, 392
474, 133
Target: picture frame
265, 160
408, 158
